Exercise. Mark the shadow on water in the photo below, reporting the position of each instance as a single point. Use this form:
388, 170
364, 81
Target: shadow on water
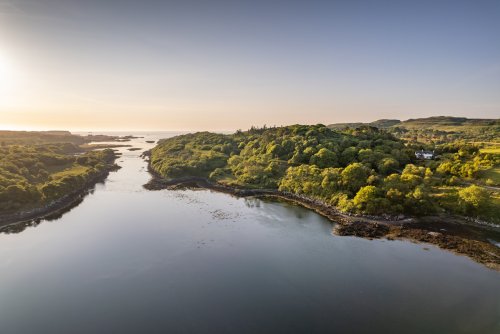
487, 234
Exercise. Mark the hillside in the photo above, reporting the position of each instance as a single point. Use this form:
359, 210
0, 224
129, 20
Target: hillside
364, 170
445, 123
448, 123
39, 137
437, 130
381, 124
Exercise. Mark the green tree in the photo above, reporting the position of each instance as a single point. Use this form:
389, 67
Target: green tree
366, 199
354, 176
473, 198
388, 165
324, 158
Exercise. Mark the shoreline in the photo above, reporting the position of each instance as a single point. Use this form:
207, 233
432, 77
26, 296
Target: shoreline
455, 237
55, 207
72, 199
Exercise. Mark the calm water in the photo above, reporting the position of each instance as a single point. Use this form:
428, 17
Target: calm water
127, 260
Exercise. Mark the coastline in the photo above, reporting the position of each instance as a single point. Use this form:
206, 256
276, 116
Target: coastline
57, 206
72, 199
449, 233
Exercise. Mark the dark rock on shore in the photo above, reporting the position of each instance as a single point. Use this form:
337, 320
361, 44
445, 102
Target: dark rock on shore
479, 250
362, 229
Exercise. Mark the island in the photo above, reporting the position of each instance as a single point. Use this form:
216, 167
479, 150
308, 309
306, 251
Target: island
370, 180
42, 173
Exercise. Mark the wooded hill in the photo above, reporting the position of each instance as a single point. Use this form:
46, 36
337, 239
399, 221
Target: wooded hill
363, 170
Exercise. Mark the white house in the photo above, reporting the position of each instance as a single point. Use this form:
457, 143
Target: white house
424, 154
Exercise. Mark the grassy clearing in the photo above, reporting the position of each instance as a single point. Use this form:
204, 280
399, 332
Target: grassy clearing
491, 150
491, 213
491, 177
75, 170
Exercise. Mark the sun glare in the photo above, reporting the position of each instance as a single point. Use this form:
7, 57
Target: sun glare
4, 66
7, 80
5, 72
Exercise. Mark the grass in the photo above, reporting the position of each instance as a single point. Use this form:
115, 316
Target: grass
491, 150
447, 196
76, 170
491, 214
492, 174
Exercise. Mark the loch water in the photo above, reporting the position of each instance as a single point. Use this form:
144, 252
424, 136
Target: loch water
129, 260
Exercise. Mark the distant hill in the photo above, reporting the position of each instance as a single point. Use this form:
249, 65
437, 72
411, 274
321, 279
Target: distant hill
8, 137
436, 122
385, 123
448, 123
39, 137
381, 124
436, 129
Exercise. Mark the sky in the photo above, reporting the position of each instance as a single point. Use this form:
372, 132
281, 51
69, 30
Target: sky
227, 65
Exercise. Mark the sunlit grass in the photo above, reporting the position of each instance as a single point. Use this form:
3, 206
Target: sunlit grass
491, 150
73, 171
491, 176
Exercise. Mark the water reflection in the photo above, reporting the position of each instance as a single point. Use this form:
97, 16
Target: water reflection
21, 226
252, 202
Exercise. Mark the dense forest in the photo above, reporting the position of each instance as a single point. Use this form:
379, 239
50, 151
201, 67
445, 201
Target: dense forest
364, 170
37, 168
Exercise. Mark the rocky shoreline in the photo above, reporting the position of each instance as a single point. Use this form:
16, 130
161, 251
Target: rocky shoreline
479, 250
60, 205
453, 235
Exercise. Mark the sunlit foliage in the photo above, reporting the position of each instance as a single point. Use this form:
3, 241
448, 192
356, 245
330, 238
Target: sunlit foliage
363, 170
32, 175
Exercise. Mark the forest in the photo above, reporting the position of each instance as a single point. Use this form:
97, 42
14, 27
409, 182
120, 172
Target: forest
363, 170
38, 168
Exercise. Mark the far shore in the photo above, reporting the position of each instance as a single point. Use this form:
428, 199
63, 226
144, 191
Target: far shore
53, 208
70, 200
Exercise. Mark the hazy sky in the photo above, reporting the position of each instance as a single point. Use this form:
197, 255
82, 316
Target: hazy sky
224, 65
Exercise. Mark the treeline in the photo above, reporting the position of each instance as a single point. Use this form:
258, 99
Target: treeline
32, 175
363, 170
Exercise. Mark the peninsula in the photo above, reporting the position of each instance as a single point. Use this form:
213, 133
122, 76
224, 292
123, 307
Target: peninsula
351, 175
42, 173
